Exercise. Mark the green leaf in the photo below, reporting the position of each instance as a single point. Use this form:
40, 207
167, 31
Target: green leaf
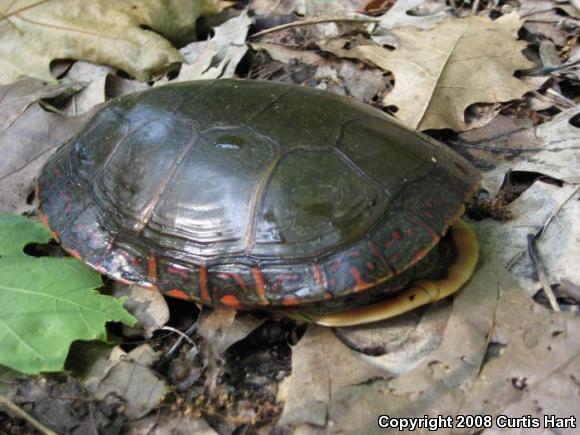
46, 303
17, 231
112, 32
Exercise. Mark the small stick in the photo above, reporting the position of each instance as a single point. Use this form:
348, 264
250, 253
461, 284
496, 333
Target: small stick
555, 213
182, 335
315, 21
543, 228
17, 410
539, 266
475, 7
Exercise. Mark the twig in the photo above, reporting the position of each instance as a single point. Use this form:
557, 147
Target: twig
535, 255
475, 7
182, 335
17, 410
543, 228
541, 271
314, 21
555, 213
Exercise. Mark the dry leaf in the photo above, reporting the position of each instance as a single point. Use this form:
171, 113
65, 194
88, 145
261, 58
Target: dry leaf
440, 72
422, 14
536, 369
285, 54
222, 327
331, 387
28, 136
321, 366
218, 57
33, 33
559, 247
132, 379
277, 7
170, 422
550, 148
404, 340
95, 77
147, 305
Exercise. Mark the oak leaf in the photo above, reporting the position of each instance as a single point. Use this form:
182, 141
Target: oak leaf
440, 72
126, 34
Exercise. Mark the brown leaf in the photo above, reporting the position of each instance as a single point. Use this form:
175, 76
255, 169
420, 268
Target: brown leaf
29, 136
437, 74
535, 370
330, 387
35, 32
132, 379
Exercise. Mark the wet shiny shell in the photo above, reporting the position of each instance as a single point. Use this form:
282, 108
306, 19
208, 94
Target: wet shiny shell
251, 194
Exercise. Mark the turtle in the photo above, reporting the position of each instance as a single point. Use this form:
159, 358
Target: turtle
261, 195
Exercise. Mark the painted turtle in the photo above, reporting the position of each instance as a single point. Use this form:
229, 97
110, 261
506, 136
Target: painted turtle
261, 195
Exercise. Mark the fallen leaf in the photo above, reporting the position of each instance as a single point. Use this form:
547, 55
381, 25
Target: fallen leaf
437, 75
28, 137
559, 247
550, 148
147, 305
93, 94
277, 7
535, 371
422, 14
19, 96
169, 422
219, 56
132, 380
33, 33
285, 54
398, 345
223, 327
321, 366
332, 388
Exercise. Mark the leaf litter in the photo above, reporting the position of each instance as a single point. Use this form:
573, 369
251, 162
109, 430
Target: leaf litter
491, 349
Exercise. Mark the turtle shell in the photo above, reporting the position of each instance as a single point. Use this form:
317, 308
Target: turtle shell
252, 194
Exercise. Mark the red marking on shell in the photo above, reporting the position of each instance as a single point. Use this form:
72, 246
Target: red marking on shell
336, 265
375, 252
178, 294
409, 232
394, 258
428, 214
397, 235
290, 300
354, 254
332, 282
360, 283
153, 268
176, 270
230, 301
370, 266
318, 277
260, 284
43, 218
426, 227
74, 253
203, 284
56, 172
237, 278
104, 255
328, 296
